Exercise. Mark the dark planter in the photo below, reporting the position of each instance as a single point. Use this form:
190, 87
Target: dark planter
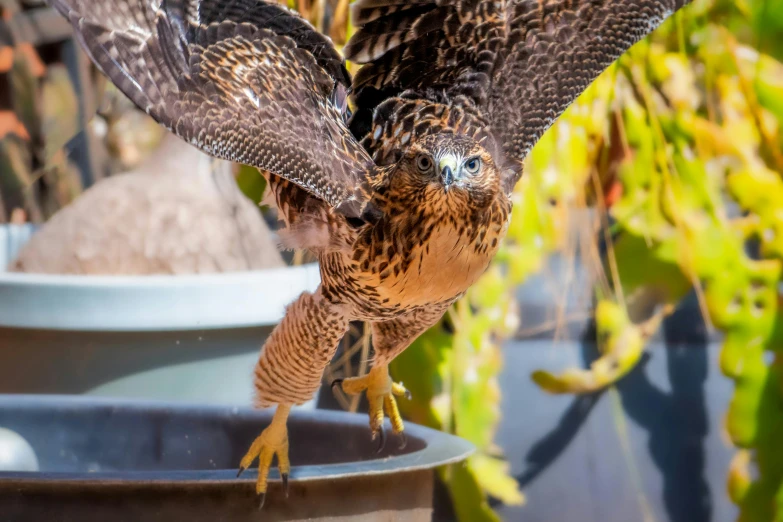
131, 461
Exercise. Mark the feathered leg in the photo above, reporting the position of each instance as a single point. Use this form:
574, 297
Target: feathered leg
389, 338
289, 372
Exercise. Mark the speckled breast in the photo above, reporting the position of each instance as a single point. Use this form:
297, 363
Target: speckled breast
394, 270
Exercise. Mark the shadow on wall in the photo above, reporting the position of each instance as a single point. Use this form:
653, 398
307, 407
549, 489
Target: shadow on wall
644, 451
677, 423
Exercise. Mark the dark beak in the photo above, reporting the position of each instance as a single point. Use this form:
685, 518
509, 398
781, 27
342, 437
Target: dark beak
447, 176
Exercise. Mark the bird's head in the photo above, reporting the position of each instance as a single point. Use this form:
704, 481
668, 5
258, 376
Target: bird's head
451, 168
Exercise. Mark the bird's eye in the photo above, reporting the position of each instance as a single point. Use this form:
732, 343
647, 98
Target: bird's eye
473, 165
423, 163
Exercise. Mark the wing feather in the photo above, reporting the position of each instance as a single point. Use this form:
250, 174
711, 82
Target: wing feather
554, 50
243, 80
522, 62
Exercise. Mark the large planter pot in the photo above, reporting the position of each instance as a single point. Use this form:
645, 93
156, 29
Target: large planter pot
132, 461
193, 338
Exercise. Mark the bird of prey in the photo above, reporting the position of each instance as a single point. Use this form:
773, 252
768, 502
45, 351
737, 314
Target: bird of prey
406, 200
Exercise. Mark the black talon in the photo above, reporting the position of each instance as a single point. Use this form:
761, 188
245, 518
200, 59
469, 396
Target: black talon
335, 383
408, 395
261, 499
382, 443
241, 470
403, 440
285, 483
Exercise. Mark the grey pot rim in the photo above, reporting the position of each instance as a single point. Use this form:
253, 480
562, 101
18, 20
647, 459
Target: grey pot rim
151, 303
440, 448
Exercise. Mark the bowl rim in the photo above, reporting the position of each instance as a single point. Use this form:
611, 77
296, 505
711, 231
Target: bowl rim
440, 448
152, 303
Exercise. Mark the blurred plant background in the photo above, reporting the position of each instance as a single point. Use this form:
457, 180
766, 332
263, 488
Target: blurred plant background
665, 178
49, 93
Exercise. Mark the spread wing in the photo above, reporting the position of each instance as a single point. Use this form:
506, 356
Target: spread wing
523, 62
243, 80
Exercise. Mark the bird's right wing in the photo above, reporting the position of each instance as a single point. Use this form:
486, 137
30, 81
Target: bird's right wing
243, 80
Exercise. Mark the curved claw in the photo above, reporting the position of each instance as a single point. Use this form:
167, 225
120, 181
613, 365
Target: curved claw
285, 483
382, 443
272, 442
403, 440
400, 390
336, 382
381, 392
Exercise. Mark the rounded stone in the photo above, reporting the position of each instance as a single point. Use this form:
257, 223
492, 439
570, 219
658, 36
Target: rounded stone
16, 454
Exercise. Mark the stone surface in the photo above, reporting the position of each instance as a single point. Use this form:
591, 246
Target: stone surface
180, 212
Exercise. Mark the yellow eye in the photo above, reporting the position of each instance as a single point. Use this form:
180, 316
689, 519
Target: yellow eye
473, 165
423, 163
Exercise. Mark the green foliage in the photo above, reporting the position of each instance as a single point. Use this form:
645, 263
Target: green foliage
251, 183
621, 344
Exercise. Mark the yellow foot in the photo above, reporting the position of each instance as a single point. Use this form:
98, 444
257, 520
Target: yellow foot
272, 441
380, 394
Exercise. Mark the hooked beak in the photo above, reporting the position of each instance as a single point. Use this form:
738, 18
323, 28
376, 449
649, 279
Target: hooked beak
447, 167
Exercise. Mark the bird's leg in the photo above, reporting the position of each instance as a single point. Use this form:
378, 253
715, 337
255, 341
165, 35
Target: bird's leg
289, 372
381, 392
389, 339
273, 441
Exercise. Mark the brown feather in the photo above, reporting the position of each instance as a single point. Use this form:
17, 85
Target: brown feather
521, 62
243, 80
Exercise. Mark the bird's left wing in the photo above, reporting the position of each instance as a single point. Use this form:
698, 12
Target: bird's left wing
523, 62
243, 80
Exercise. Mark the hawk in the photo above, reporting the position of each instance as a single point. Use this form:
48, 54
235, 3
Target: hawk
406, 200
